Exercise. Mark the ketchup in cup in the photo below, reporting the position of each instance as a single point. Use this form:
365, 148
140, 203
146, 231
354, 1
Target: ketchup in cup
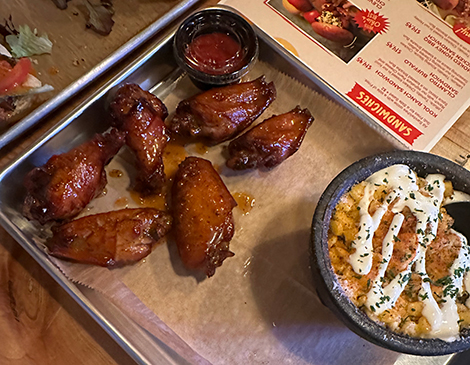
215, 53
215, 47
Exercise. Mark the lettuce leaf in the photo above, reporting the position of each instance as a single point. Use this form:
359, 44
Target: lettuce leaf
26, 43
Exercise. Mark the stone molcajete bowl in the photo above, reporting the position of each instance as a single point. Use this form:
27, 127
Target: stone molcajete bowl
329, 289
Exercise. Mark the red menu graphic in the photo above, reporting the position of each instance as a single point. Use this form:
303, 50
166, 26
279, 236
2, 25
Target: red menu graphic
371, 21
462, 31
384, 114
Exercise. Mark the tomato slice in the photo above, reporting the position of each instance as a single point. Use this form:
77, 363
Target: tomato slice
15, 76
311, 16
5, 68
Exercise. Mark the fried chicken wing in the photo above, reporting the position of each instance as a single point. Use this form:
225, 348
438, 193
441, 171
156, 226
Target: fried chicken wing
62, 187
202, 212
219, 114
270, 142
110, 239
146, 136
127, 96
140, 115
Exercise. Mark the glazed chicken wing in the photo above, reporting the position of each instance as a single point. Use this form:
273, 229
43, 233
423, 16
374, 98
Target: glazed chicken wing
146, 136
68, 182
127, 96
110, 239
140, 115
202, 213
219, 114
270, 142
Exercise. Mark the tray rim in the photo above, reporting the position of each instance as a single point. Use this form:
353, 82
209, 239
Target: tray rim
43, 110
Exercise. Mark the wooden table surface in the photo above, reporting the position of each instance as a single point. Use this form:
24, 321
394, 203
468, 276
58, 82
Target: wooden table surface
39, 322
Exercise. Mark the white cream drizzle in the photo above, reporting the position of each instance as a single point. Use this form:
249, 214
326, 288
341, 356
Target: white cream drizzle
404, 192
400, 178
377, 293
449, 326
457, 196
361, 259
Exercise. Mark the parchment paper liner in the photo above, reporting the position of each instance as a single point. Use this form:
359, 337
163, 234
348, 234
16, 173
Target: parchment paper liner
260, 307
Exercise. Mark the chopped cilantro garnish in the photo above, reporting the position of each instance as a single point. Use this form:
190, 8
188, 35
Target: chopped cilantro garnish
445, 280
459, 272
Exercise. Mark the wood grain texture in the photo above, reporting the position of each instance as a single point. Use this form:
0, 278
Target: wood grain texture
39, 322
455, 145
77, 49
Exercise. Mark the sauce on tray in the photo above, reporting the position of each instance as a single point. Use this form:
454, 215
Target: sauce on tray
173, 154
122, 202
244, 201
115, 173
157, 201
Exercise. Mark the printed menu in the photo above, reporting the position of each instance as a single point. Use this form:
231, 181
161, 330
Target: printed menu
404, 64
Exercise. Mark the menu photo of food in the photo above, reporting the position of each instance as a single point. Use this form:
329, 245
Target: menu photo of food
451, 11
328, 22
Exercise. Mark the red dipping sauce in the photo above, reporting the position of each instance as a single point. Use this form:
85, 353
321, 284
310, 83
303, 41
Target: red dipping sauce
215, 54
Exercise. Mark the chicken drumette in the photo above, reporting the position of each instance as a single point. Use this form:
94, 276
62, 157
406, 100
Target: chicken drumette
270, 142
140, 115
110, 239
219, 114
202, 212
62, 187
147, 137
127, 96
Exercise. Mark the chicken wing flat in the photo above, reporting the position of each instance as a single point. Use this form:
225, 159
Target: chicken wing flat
146, 136
114, 238
140, 115
202, 212
127, 96
220, 114
270, 142
62, 187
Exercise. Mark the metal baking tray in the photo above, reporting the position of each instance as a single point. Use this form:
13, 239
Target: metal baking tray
155, 70
50, 105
